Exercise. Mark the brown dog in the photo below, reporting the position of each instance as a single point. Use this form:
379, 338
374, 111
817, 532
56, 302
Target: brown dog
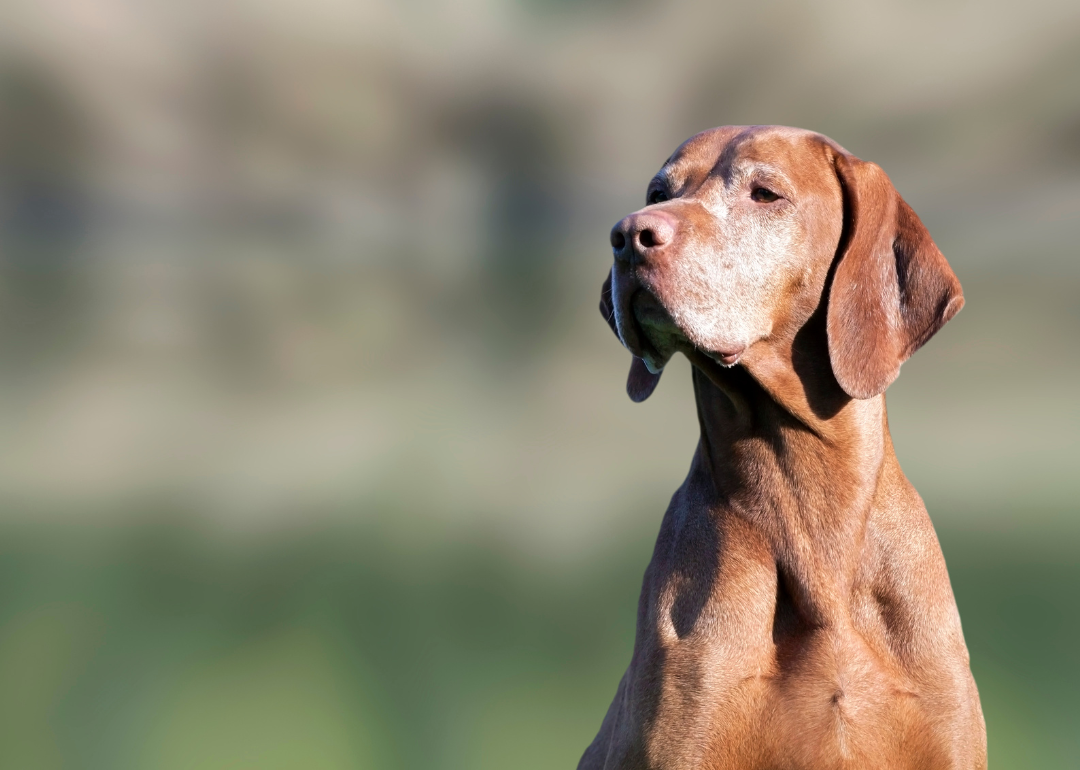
797, 613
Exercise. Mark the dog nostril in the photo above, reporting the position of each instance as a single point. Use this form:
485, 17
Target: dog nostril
647, 239
617, 240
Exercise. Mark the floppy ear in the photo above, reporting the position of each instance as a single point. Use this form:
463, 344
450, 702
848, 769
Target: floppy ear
640, 383
892, 288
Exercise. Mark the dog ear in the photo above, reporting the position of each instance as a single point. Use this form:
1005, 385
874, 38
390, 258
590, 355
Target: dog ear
640, 383
891, 289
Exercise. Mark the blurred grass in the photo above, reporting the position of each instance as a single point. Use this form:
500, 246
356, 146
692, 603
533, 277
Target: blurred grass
1017, 594
158, 645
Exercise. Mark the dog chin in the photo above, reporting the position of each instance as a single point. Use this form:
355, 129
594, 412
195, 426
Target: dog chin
662, 341
651, 348
658, 334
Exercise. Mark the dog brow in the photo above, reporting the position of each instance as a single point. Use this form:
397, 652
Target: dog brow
728, 155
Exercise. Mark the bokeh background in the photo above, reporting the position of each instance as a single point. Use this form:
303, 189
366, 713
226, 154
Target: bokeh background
314, 450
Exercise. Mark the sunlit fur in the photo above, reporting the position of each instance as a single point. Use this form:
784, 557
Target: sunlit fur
796, 612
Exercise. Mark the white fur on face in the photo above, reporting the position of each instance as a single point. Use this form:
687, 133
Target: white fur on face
725, 283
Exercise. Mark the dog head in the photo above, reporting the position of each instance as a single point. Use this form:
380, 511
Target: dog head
743, 228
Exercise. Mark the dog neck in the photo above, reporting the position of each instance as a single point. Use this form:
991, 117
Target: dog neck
783, 448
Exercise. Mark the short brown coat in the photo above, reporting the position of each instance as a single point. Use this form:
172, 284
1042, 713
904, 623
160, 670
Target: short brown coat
797, 612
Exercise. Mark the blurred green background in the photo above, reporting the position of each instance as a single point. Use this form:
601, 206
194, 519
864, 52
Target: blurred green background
314, 451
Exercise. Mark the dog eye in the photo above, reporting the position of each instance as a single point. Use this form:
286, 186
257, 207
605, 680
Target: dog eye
763, 195
656, 196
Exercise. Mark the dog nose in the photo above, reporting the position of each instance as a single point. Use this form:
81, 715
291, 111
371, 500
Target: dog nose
637, 235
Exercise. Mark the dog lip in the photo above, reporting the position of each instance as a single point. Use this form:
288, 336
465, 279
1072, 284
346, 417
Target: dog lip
631, 330
646, 350
648, 312
729, 356
623, 288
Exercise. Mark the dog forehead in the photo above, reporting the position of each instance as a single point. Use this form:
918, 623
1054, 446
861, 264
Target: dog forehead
727, 151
